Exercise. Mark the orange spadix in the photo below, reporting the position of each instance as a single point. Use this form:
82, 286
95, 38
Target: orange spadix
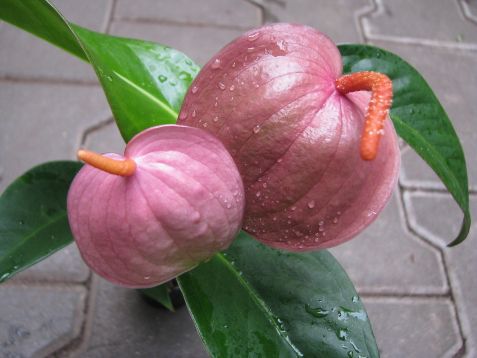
381, 88
124, 168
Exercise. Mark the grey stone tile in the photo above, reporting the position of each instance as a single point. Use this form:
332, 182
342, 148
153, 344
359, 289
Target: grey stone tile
90, 14
416, 173
39, 123
414, 327
124, 325
30, 57
385, 258
212, 12
199, 43
336, 18
461, 260
470, 9
105, 138
423, 20
448, 73
37, 321
65, 265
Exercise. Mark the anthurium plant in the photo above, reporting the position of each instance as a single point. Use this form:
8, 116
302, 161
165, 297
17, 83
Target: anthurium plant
234, 180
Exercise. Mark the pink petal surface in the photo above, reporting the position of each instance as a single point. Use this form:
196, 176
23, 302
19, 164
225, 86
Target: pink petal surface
182, 205
270, 97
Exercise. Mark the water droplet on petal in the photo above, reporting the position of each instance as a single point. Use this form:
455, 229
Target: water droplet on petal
216, 64
253, 36
311, 204
194, 89
216, 119
183, 115
256, 129
221, 85
194, 113
232, 88
258, 194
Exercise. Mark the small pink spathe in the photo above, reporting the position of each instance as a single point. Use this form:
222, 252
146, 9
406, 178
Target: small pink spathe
184, 203
270, 97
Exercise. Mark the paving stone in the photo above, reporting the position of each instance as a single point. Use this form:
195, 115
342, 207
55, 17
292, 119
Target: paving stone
37, 321
212, 12
31, 57
338, 19
93, 15
105, 139
385, 258
419, 20
124, 325
198, 42
456, 90
39, 123
65, 265
461, 260
414, 327
470, 9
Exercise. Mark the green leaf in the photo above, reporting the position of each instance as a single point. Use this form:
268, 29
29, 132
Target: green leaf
254, 301
160, 294
419, 119
33, 219
144, 82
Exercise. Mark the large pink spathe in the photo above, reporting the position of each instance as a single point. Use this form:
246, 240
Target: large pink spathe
183, 204
270, 97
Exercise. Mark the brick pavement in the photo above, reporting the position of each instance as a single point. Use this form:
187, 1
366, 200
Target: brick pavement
420, 295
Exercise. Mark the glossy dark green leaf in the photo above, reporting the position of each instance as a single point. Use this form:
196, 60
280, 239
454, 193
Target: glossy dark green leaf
33, 219
254, 301
160, 294
419, 119
144, 82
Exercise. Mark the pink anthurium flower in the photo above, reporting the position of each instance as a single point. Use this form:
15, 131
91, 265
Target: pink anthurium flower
318, 162
173, 200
